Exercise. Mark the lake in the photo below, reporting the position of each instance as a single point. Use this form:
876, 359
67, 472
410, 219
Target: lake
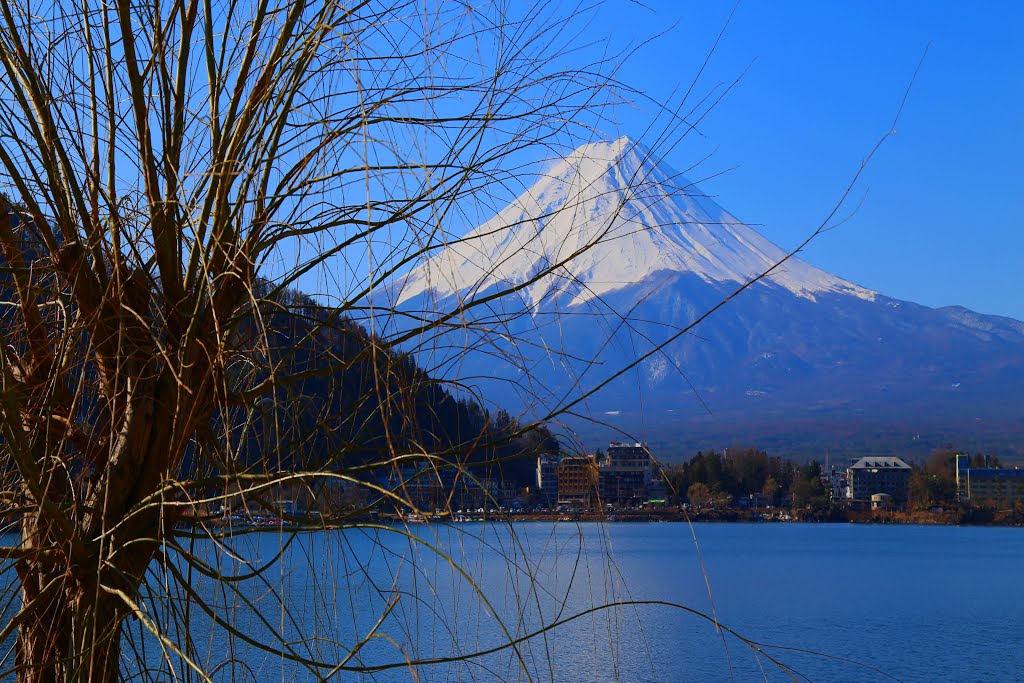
834, 602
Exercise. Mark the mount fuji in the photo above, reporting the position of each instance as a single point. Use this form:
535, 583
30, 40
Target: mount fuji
612, 256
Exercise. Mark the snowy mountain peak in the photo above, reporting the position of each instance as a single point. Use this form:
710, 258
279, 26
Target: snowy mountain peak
607, 217
603, 151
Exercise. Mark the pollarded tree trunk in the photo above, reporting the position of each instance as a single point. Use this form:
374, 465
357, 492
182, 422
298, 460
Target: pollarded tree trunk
75, 637
94, 440
73, 631
92, 525
76, 592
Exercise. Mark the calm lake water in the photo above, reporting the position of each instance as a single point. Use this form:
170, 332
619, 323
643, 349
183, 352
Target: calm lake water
906, 603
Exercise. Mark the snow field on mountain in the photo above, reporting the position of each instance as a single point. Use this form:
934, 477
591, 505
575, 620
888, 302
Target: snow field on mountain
608, 217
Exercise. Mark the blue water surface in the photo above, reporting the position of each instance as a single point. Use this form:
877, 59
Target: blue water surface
592, 602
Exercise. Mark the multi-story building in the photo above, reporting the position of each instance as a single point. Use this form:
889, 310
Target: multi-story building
547, 479
628, 456
577, 481
988, 483
835, 480
876, 474
626, 475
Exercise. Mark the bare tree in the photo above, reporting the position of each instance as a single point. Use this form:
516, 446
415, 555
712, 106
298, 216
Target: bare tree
173, 171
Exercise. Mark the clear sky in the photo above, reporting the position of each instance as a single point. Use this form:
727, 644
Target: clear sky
942, 216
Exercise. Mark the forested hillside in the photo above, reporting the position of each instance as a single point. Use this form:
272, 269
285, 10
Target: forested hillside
309, 390
342, 399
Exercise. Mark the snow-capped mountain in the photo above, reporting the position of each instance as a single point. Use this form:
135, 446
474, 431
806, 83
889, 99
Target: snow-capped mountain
609, 216
611, 256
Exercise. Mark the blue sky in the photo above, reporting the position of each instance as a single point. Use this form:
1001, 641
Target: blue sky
941, 217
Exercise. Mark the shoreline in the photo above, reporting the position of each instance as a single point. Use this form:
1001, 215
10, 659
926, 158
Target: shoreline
949, 518
961, 517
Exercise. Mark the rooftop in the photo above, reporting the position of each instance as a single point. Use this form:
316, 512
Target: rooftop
879, 462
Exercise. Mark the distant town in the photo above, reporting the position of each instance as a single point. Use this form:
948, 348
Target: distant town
949, 487
625, 482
